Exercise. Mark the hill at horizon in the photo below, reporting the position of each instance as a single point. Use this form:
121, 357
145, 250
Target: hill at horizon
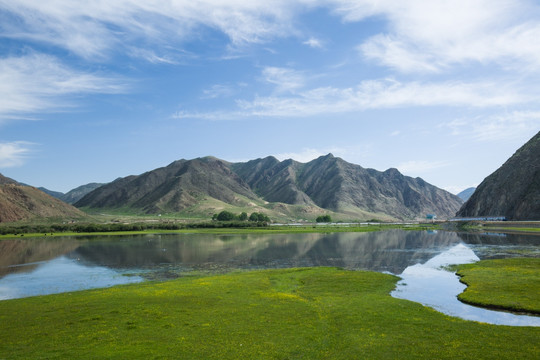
287, 188
22, 202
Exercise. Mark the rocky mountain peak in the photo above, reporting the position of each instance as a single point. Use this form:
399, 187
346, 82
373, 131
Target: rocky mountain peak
513, 190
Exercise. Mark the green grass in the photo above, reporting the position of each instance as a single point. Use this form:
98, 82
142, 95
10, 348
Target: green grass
249, 230
510, 284
313, 313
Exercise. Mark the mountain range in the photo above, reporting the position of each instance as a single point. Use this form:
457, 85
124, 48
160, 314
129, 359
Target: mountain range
513, 190
287, 189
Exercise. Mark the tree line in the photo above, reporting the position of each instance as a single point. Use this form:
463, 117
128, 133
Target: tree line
243, 216
94, 228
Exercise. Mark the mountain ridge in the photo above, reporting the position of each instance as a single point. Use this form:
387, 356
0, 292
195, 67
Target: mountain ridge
327, 183
513, 190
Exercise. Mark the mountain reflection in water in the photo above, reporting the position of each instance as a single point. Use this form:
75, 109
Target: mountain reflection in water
172, 255
390, 251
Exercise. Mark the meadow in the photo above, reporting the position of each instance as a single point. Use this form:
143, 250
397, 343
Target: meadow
308, 313
505, 284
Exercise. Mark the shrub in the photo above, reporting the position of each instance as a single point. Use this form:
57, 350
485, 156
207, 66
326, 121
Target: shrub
324, 218
260, 217
225, 216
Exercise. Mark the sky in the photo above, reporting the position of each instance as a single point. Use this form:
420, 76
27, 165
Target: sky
445, 90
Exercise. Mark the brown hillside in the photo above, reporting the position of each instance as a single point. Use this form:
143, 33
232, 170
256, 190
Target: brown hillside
18, 202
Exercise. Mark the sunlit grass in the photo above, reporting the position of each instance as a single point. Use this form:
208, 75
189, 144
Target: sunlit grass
312, 313
511, 284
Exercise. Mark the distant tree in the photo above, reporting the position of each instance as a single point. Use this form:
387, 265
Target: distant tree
225, 216
324, 218
259, 217
263, 217
254, 217
214, 217
243, 216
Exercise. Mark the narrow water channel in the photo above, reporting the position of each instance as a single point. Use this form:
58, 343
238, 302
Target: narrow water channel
432, 285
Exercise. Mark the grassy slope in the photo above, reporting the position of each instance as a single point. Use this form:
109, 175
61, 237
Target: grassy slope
318, 313
511, 284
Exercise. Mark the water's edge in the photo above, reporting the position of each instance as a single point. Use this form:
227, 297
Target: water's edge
430, 284
47, 266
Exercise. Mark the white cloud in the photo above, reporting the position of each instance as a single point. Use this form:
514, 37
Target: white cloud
218, 91
374, 94
429, 36
96, 28
505, 126
421, 35
152, 57
395, 53
284, 79
314, 43
35, 83
14, 153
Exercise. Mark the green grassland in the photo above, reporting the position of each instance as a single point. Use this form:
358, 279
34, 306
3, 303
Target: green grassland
311, 313
509, 284
16, 231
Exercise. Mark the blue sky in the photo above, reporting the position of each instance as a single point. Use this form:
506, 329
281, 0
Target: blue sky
443, 90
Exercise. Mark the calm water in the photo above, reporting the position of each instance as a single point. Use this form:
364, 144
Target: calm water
44, 266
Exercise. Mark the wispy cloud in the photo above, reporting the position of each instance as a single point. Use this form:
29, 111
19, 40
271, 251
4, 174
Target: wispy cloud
218, 91
97, 28
14, 153
483, 31
374, 94
152, 57
314, 43
502, 32
512, 125
36, 82
285, 79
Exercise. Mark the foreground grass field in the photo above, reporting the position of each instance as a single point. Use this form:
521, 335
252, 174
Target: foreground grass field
312, 313
510, 284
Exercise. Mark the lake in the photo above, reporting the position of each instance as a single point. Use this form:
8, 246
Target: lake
30, 267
